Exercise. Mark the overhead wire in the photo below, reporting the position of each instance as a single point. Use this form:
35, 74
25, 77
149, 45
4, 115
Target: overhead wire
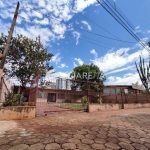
82, 38
86, 38
123, 23
95, 43
80, 28
118, 10
126, 20
75, 27
98, 25
99, 41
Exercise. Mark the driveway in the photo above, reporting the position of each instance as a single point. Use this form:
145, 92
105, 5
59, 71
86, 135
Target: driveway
112, 130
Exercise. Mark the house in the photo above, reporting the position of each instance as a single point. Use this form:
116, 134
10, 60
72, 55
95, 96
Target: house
45, 95
116, 89
58, 95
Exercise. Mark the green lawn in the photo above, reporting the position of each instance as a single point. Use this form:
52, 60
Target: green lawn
73, 105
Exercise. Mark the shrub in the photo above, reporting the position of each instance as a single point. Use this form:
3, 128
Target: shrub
67, 101
12, 99
84, 100
99, 100
30, 104
7, 103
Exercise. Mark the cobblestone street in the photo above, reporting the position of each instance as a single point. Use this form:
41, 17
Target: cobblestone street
113, 130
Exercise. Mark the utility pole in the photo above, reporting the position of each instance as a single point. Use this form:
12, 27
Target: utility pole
8, 40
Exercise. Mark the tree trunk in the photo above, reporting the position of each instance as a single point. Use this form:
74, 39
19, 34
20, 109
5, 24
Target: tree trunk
21, 96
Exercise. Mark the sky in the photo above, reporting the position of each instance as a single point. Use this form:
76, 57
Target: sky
82, 32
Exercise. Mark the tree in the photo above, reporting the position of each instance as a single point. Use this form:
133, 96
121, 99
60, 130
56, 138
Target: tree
144, 73
88, 73
25, 59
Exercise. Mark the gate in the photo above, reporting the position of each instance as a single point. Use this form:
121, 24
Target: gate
67, 101
50, 101
33, 91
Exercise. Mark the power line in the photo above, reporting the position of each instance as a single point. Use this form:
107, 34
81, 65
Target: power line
127, 21
94, 43
99, 41
117, 9
82, 29
123, 23
99, 26
94, 32
82, 38
102, 35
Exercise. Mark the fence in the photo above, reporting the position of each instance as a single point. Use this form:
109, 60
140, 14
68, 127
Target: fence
126, 98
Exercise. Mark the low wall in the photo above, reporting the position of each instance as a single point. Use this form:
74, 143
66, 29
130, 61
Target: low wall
17, 112
138, 105
102, 107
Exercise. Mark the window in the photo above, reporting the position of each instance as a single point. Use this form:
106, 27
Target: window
61, 96
42, 95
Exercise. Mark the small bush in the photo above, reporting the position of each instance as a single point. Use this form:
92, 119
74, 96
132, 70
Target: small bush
84, 100
30, 104
12, 99
99, 100
67, 101
7, 103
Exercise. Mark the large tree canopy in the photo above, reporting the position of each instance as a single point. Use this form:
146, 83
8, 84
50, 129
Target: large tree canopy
88, 72
25, 58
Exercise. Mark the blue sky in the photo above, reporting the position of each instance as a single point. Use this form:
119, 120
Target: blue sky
60, 23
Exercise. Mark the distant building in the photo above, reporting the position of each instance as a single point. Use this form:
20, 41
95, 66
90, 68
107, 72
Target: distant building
63, 84
51, 85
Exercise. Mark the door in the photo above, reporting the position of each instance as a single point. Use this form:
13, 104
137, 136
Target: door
51, 97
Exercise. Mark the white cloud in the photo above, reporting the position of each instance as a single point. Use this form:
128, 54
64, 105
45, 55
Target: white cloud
25, 16
35, 14
148, 31
33, 32
94, 52
80, 62
44, 21
4, 27
74, 64
59, 28
80, 5
118, 59
127, 79
122, 69
1, 4
87, 24
137, 29
50, 14
56, 58
63, 66
77, 36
